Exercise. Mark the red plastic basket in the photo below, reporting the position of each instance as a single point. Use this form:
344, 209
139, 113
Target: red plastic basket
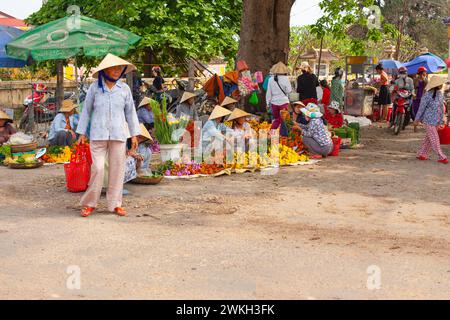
78, 171
336, 146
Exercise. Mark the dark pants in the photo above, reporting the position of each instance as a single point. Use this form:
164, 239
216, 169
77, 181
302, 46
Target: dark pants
62, 138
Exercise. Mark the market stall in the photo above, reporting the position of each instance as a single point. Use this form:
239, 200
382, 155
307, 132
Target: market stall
359, 94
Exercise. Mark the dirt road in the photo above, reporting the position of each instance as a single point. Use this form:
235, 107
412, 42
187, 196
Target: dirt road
373, 223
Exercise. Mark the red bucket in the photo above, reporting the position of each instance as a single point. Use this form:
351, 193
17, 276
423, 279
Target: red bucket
336, 146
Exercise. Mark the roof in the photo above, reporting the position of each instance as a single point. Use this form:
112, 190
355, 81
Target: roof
10, 21
313, 54
217, 60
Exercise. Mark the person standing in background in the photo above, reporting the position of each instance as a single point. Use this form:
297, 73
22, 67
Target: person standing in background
307, 84
384, 96
278, 90
158, 82
337, 89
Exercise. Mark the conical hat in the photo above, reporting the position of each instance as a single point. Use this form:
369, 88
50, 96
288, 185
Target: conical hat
4, 116
145, 133
227, 101
279, 68
67, 106
144, 102
238, 113
111, 61
186, 96
219, 112
435, 81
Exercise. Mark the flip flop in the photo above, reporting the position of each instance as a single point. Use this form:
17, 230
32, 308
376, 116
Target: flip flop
120, 211
86, 211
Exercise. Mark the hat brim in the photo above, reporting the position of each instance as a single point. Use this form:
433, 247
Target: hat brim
219, 112
434, 84
186, 96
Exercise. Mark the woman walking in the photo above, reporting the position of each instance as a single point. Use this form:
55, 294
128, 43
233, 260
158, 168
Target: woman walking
278, 90
109, 107
431, 114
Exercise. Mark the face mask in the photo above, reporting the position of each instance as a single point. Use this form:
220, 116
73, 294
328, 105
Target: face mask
403, 76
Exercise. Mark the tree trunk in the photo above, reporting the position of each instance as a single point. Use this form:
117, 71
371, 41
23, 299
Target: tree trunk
59, 94
264, 38
149, 58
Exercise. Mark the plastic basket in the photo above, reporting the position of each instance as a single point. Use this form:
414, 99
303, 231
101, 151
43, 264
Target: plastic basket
336, 146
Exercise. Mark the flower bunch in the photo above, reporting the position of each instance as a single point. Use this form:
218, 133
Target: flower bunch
168, 130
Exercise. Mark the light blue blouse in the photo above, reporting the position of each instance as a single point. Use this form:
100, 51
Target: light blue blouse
59, 124
108, 112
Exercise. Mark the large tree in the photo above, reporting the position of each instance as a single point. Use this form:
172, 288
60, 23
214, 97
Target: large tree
264, 36
171, 31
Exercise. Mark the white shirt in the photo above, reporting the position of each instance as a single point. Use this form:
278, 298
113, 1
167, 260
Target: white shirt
274, 93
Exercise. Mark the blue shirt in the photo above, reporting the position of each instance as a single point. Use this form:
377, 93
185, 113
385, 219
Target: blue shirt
108, 112
431, 111
59, 124
145, 116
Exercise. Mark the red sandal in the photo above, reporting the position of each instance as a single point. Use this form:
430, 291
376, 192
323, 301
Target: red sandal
444, 161
422, 158
120, 211
86, 211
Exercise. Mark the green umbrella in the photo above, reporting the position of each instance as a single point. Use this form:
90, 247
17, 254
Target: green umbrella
70, 36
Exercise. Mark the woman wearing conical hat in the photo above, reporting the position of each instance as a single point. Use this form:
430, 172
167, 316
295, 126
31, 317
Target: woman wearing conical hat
229, 103
64, 125
431, 114
187, 106
214, 132
278, 90
6, 129
145, 112
109, 106
241, 128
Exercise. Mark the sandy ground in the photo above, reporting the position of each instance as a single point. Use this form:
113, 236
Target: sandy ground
314, 232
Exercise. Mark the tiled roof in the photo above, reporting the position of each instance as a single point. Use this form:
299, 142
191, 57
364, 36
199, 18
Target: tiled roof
10, 21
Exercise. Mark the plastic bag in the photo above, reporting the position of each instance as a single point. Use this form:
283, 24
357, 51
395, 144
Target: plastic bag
254, 100
20, 138
78, 171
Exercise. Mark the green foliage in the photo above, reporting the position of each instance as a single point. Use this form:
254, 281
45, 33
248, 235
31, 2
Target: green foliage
169, 28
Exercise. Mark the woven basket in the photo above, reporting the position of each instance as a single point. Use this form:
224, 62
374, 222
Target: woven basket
24, 147
147, 180
26, 165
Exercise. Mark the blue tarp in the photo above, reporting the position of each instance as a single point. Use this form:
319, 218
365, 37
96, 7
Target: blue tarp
430, 61
391, 65
7, 34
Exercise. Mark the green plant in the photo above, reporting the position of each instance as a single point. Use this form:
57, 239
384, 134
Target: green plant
167, 128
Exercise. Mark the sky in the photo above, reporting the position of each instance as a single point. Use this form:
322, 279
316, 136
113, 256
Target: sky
304, 12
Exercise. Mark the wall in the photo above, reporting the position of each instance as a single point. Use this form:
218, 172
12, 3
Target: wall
12, 93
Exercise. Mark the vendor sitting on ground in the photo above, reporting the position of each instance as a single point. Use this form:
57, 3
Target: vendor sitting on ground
333, 115
6, 128
145, 112
315, 135
63, 128
297, 115
214, 132
229, 103
241, 128
187, 107
138, 163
